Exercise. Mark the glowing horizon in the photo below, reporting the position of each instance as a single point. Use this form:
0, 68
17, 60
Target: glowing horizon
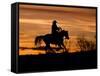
37, 20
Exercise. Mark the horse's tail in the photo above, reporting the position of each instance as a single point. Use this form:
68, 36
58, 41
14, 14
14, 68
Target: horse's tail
38, 40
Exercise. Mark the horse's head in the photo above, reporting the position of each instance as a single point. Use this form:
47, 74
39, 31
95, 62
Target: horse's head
65, 34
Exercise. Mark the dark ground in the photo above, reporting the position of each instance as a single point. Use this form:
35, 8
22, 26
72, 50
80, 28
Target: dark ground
55, 62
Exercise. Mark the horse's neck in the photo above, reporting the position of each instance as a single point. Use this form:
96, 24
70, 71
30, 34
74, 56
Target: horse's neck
61, 35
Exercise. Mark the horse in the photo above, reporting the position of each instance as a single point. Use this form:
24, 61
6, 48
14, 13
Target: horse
50, 39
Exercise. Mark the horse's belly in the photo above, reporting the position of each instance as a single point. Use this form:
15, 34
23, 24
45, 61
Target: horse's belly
54, 43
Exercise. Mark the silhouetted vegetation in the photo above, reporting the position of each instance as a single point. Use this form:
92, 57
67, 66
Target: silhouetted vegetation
85, 44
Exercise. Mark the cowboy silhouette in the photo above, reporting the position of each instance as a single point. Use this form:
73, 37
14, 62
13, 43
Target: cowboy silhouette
55, 28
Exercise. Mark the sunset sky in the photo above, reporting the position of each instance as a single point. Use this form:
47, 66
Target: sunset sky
37, 20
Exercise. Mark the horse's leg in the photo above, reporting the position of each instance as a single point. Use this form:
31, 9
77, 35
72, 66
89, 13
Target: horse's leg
64, 47
59, 47
47, 47
50, 49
